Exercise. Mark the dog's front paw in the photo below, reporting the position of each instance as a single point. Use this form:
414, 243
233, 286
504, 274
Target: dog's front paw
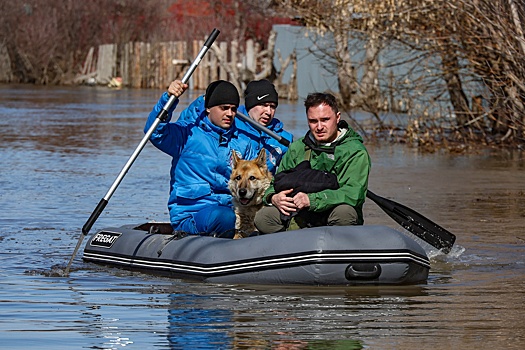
239, 235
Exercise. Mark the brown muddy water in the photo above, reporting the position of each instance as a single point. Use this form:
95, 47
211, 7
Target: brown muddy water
62, 148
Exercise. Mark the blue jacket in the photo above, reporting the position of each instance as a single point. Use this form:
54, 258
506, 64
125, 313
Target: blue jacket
202, 161
274, 149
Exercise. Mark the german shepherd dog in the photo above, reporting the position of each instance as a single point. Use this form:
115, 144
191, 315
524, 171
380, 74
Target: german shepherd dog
248, 182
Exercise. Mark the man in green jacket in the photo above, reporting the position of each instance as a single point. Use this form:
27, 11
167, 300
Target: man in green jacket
330, 146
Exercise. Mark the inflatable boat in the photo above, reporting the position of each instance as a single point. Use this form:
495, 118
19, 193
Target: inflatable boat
331, 255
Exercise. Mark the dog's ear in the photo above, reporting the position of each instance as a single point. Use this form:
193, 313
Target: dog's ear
235, 158
261, 158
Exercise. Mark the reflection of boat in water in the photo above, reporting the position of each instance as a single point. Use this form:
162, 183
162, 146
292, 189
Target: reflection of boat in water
332, 255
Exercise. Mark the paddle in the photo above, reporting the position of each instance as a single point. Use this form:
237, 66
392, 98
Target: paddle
411, 220
260, 127
160, 117
416, 223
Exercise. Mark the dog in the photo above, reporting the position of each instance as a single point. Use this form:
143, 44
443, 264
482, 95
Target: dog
248, 182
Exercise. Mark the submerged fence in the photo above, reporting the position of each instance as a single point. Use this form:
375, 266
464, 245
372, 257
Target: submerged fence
146, 65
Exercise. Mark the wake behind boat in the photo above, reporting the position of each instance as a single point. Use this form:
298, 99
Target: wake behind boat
331, 255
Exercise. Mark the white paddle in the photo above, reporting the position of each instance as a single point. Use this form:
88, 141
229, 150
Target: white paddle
160, 117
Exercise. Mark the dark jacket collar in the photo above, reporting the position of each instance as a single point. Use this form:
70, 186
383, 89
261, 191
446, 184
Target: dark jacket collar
308, 140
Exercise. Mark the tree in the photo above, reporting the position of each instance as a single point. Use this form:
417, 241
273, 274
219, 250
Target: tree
48, 40
450, 45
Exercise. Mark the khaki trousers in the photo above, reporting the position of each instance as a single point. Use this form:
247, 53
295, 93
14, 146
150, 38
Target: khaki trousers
270, 220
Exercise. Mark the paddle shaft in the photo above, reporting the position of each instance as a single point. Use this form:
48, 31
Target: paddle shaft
160, 117
263, 128
411, 220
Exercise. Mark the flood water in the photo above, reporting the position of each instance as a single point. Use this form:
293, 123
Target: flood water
62, 148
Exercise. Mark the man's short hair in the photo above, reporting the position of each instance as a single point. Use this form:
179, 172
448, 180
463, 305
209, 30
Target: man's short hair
318, 98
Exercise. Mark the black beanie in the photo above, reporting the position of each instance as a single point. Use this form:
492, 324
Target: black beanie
221, 92
258, 92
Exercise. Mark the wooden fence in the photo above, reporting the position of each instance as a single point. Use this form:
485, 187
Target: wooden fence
6, 74
145, 65
154, 66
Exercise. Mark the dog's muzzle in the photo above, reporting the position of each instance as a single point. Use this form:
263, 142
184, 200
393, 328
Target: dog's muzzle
242, 196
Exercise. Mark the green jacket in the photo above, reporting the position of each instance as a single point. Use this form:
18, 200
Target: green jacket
347, 158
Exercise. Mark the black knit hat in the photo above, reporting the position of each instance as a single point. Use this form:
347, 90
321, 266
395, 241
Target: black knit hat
221, 92
258, 92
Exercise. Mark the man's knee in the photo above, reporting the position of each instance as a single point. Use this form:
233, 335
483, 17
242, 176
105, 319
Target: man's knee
343, 215
268, 220
216, 220
221, 219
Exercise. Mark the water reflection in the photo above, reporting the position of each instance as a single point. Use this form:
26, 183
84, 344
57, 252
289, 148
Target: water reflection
194, 323
286, 317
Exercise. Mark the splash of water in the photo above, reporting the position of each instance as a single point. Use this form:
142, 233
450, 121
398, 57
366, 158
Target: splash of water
54, 271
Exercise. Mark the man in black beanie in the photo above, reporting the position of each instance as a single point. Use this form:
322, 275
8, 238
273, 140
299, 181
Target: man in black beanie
221, 92
201, 151
261, 100
260, 103
222, 96
260, 92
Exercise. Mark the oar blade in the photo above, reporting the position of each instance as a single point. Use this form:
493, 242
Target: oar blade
416, 223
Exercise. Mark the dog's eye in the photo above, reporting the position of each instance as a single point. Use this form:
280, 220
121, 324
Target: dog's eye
238, 177
252, 178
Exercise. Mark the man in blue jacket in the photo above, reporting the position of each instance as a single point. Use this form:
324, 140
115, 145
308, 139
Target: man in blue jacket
201, 151
260, 103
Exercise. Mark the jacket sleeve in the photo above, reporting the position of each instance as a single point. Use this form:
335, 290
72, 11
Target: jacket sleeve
166, 135
275, 150
352, 175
